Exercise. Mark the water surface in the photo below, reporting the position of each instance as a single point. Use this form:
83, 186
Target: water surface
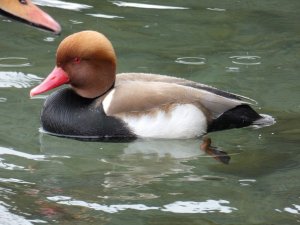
248, 47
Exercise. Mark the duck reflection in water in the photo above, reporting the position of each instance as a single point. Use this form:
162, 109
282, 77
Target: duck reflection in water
116, 165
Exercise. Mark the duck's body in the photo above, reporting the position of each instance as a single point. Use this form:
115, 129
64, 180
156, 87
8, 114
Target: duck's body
131, 105
26, 11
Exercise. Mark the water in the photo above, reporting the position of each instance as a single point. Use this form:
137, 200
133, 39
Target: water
248, 47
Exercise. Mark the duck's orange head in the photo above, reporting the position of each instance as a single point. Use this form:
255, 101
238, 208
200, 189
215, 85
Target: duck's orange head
86, 60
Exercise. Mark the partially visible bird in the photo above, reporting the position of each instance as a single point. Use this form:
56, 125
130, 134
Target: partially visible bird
25, 11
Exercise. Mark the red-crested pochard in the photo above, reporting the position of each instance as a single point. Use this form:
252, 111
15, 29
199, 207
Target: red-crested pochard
101, 104
26, 11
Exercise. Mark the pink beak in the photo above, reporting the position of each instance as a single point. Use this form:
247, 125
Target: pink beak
40, 18
56, 78
30, 13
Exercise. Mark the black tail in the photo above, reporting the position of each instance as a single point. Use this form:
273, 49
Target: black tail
240, 116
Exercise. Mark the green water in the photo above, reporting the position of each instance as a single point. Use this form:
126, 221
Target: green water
248, 47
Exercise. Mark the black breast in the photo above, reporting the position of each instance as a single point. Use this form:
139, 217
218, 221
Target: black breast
69, 115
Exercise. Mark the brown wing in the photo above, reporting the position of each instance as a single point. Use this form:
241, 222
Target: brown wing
140, 96
125, 77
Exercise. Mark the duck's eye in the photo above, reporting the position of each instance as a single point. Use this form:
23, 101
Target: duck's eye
24, 2
76, 60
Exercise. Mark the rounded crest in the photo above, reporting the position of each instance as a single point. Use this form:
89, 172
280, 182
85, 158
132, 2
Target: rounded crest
86, 45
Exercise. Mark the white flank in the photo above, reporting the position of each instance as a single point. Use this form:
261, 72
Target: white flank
184, 121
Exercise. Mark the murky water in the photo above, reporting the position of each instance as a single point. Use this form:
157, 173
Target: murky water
248, 47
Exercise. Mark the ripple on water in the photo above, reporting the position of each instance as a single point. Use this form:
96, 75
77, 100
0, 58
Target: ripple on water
247, 182
248, 60
209, 206
6, 20
191, 60
9, 166
12, 152
14, 62
3, 99
105, 16
144, 6
216, 9
9, 151
17, 79
232, 69
75, 22
13, 180
49, 39
62, 4
201, 178
294, 209
10, 218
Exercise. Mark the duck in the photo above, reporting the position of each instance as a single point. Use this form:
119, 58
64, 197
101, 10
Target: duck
27, 12
99, 104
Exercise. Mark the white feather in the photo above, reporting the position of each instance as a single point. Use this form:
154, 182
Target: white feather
184, 121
